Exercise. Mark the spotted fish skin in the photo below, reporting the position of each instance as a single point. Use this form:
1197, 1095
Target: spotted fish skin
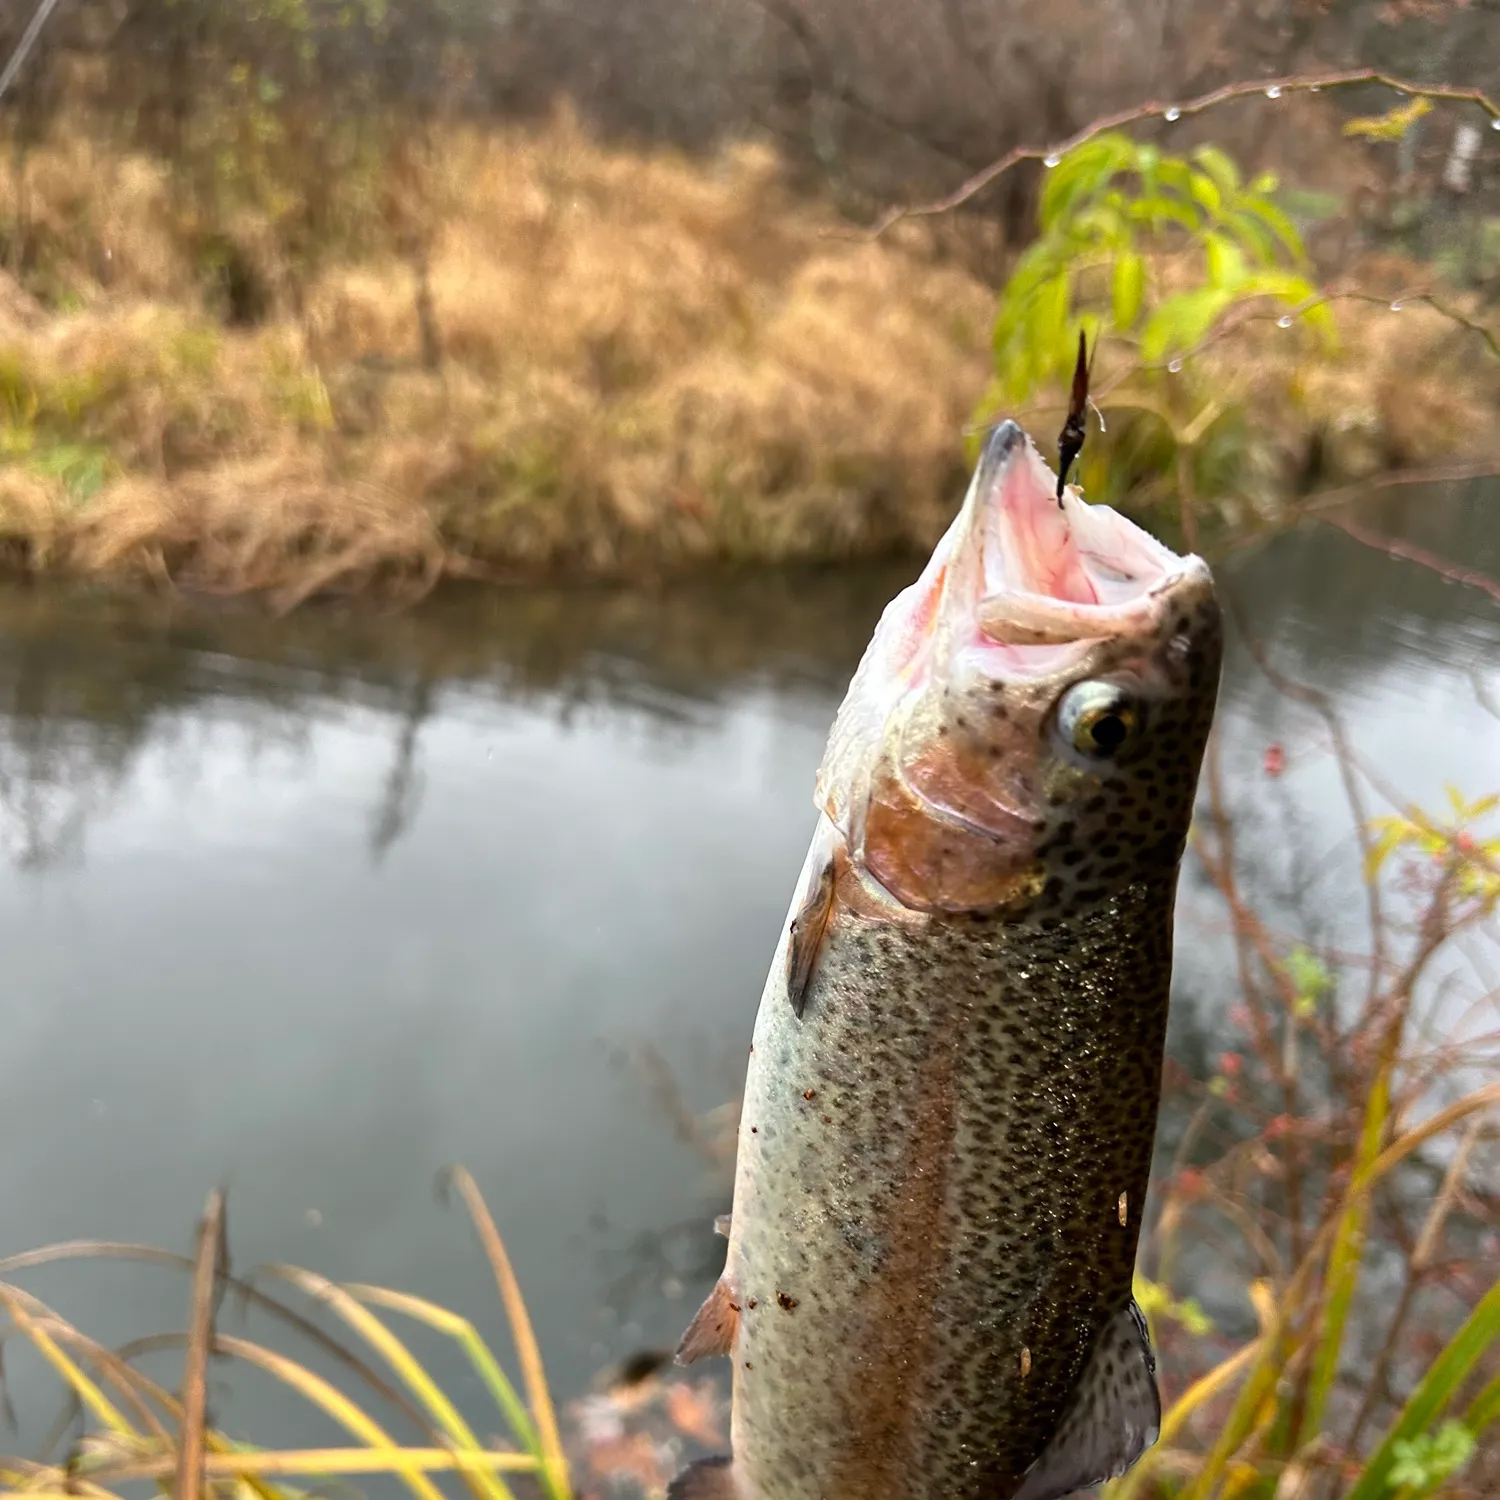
948, 1197
950, 1106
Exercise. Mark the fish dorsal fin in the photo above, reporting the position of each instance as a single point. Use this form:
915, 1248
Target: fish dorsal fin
708, 1479
712, 1330
1112, 1417
808, 928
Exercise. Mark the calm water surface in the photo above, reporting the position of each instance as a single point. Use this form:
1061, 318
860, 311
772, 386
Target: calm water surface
311, 908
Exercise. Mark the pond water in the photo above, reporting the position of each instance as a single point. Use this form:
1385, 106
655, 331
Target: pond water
312, 907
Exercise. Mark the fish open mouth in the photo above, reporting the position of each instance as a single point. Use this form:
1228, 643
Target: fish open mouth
1038, 572
937, 766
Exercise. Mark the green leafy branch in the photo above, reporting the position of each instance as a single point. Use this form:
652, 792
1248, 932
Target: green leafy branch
1157, 1301
1108, 208
1310, 979
1423, 1463
1473, 858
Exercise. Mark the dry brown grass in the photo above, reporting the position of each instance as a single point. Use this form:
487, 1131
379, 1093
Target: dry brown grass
647, 362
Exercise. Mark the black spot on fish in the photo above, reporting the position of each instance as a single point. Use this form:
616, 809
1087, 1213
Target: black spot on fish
787, 1303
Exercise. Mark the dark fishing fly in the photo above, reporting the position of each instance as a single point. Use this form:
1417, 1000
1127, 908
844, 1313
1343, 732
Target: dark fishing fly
1075, 429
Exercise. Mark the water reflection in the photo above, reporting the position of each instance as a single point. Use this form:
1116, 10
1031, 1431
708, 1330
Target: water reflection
314, 906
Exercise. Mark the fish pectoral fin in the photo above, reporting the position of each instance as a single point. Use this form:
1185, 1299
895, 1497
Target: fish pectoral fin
722, 1225
712, 1330
808, 929
1112, 1417
708, 1479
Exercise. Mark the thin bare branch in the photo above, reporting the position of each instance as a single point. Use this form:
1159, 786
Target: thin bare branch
1297, 83
1395, 547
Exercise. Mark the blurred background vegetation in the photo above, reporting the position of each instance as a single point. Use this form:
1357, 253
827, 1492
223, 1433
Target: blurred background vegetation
308, 294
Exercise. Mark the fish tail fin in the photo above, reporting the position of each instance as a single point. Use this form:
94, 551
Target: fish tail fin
708, 1479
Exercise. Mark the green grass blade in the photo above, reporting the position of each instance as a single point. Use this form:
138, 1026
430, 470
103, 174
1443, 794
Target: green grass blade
89, 1394
1484, 1408
1275, 1347
466, 1336
46, 1494
328, 1398
1345, 1257
124, 1250
555, 1470
1436, 1390
326, 1463
401, 1360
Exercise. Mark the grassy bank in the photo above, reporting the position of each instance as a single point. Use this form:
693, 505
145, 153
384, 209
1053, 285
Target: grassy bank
519, 352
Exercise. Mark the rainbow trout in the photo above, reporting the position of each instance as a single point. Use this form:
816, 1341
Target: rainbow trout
954, 1081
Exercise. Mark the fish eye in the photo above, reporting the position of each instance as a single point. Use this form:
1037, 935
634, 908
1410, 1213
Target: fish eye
1098, 719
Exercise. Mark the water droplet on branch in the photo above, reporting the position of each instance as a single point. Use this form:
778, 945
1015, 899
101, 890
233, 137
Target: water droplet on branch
1274, 92
1172, 113
1395, 307
1284, 321
1175, 366
1051, 159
